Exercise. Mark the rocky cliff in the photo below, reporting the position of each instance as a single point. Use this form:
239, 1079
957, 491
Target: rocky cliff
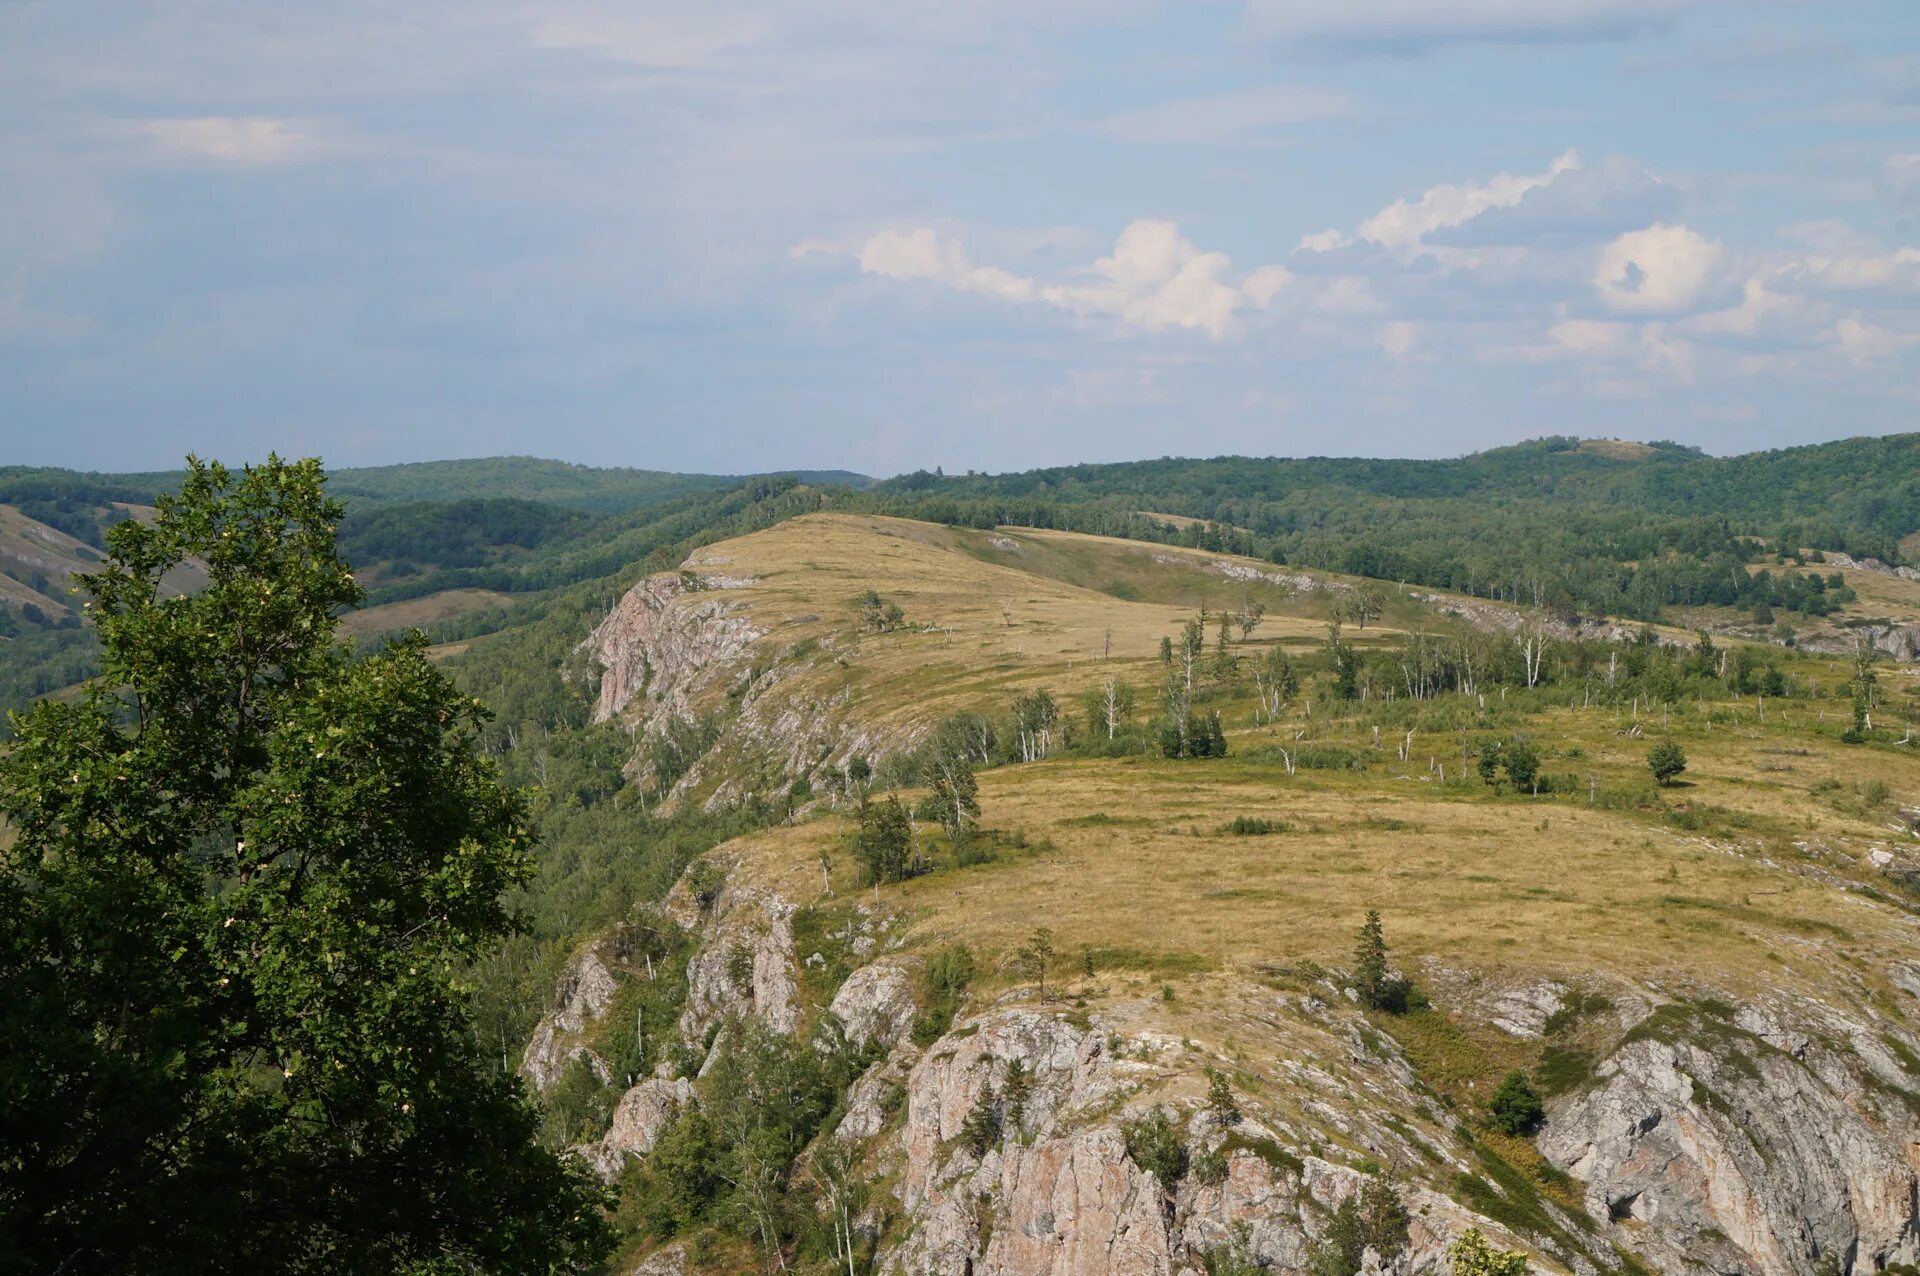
1703, 1138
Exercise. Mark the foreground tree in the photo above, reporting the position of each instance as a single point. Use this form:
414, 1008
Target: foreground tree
245, 873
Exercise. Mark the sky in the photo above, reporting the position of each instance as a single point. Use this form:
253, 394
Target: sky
888, 234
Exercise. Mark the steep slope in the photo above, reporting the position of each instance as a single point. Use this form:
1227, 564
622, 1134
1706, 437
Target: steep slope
1714, 986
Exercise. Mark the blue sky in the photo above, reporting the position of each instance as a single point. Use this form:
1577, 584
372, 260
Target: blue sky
743, 236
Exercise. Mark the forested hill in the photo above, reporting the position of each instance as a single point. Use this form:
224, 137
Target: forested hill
38, 490
1854, 490
1617, 527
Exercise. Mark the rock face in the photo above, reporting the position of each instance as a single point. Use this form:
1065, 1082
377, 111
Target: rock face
663, 644
643, 1112
1060, 1196
1747, 1146
744, 964
1072, 1201
876, 1004
585, 989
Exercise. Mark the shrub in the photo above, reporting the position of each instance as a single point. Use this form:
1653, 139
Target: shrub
1474, 1255
1666, 760
1154, 1144
1375, 1217
947, 977
1516, 1107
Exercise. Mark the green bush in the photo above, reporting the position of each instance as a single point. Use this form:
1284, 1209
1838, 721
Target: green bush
1516, 1106
1154, 1144
1666, 760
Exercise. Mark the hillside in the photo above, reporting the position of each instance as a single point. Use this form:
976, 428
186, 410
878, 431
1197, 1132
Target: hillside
1712, 985
978, 893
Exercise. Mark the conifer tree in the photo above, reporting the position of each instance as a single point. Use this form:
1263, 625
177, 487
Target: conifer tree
1370, 962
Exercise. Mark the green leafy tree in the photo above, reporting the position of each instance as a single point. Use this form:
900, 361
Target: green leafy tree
882, 842
1221, 1105
1488, 763
246, 871
1522, 763
1474, 1255
1666, 760
1371, 979
1516, 1106
1153, 1142
956, 793
1375, 1217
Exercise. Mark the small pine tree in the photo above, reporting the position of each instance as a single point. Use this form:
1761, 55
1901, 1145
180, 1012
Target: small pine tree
883, 840
1370, 976
1014, 1092
1035, 956
1209, 738
1516, 1107
981, 1129
1666, 760
1522, 762
1221, 1105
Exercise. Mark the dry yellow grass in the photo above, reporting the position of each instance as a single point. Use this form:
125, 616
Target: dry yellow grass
1738, 891
1137, 856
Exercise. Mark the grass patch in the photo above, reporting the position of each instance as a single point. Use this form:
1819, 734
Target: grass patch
1252, 826
1563, 1069
1120, 957
1101, 820
1278, 1159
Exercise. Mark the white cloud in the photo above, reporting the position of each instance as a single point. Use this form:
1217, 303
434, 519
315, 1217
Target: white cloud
1757, 308
1660, 270
922, 254
1227, 116
243, 140
1590, 336
1155, 278
1403, 224
1862, 343
1414, 24
1897, 271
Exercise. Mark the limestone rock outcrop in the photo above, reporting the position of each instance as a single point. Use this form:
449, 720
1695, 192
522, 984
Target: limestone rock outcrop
643, 1112
585, 989
1747, 1145
876, 1004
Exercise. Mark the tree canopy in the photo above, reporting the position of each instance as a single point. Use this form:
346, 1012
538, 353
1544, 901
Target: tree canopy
246, 871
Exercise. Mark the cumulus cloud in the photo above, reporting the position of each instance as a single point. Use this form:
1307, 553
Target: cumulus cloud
1155, 278
1660, 270
1419, 24
1896, 272
1405, 224
240, 140
1573, 205
1863, 343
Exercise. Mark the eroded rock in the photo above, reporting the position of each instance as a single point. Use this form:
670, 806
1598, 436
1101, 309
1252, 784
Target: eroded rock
643, 1112
586, 987
876, 1003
